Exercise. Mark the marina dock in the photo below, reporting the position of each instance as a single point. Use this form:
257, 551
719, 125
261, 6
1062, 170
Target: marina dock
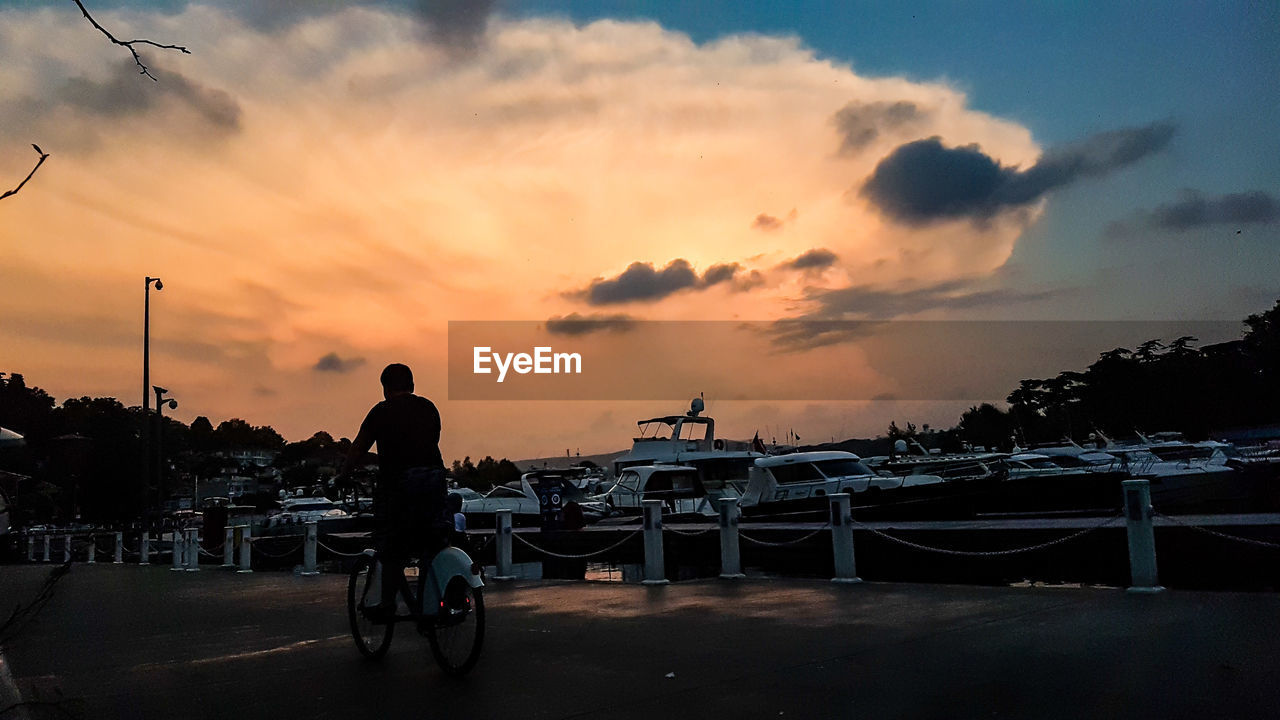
142, 642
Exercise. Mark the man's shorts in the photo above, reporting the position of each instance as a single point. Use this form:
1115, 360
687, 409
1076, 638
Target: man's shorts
414, 514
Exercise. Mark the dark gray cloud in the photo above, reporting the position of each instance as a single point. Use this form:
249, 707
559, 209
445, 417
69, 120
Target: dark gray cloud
280, 14
768, 223
799, 334
866, 302
575, 324
121, 94
641, 282
923, 181
457, 24
745, 282
815, 259
332, 363
765, 221
846, 314
1194, 210
722, 272
861, 123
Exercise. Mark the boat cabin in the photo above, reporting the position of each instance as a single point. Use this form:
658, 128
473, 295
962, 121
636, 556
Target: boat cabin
678, 487
808, 475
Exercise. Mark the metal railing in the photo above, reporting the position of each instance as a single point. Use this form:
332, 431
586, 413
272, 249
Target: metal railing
184, 549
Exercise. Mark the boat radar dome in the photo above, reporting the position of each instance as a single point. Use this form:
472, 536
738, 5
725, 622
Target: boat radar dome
900, 446
695, 407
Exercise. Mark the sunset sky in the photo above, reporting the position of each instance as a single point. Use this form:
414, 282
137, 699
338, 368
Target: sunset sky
323, 186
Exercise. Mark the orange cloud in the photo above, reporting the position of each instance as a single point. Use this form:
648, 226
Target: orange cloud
339, 185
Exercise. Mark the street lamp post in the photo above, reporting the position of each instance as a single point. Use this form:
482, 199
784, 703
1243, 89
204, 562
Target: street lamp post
147, 473
146, 342
160, 403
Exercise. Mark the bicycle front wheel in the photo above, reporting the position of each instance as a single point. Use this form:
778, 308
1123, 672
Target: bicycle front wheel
372, 639
457, 631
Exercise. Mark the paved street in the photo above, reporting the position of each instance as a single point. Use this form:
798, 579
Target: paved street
125, 641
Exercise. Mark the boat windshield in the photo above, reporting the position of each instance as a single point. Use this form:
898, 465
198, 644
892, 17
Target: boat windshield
502, 491
311, 506
1182, 452
796, 473
663, 484
655, 430
693, 431
842, 468
629, 481
722, 470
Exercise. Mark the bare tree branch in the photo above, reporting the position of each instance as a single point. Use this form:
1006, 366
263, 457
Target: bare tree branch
142, 69
43, 156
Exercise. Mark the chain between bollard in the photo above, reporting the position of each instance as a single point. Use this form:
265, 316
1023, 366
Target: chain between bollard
988, 553
694, 533
254, 547
214, 553
1215, 533
326, 548
783, 543
577, 557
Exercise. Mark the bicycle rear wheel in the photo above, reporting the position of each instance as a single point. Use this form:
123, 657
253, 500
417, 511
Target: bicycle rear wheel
372, 639
457, 631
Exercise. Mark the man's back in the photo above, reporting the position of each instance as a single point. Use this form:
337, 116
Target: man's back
406, 429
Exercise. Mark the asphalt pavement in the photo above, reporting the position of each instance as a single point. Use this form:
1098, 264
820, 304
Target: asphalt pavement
146, 642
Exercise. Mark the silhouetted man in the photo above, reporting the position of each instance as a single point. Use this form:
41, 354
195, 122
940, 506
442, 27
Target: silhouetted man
409, 512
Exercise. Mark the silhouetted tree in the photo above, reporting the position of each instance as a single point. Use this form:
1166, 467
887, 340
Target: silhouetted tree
987, 425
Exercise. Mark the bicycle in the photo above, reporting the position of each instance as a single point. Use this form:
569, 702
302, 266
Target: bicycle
451, 586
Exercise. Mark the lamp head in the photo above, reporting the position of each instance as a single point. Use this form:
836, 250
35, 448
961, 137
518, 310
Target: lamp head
173, 404
159, 285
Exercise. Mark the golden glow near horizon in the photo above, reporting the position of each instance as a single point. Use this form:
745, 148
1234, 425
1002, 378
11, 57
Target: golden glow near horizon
344, 186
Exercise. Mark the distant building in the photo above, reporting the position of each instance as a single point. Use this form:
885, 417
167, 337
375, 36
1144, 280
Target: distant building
249, 456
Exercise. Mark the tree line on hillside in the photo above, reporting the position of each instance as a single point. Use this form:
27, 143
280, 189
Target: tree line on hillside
84, 459
1156, 386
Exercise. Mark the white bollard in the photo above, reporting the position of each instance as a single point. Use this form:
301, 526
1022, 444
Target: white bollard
93, 550
654, 562
179, 549
31, 548
309, 549
842, 540
229, 548
66, 550
144, 548
730, 557
46, 548
246, 540
1142, 538
118, 557
502, 544
193, 550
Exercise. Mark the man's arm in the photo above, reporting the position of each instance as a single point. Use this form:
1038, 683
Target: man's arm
359, 447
